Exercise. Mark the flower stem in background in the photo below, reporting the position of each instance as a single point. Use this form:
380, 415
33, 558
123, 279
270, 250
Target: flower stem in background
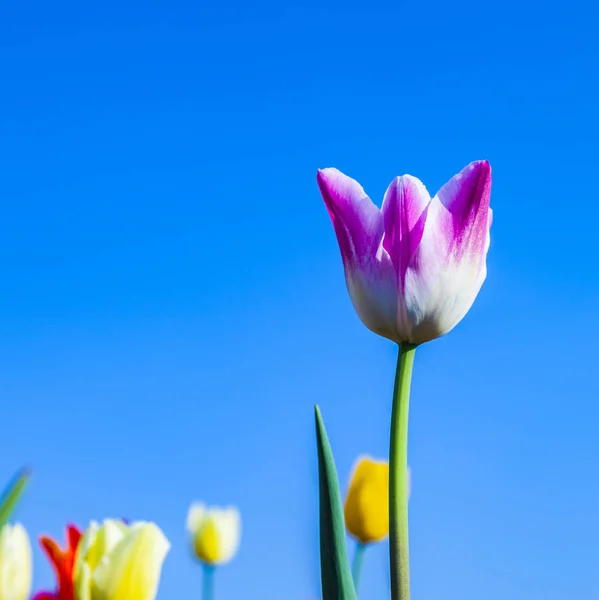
208, 593
398, 476
357, 564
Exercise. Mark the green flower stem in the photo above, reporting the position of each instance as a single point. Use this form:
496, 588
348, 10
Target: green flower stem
208, 593
357, 564
398, 476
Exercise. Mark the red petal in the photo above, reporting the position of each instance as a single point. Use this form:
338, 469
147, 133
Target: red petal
53, 552
62, 561
73, 536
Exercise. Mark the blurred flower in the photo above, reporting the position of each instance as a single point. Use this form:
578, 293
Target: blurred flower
215, 533
62, 563
366, 507
414, 267
15, 563
119, 562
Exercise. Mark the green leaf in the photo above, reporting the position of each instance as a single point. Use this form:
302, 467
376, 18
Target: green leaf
11, 495
335, 573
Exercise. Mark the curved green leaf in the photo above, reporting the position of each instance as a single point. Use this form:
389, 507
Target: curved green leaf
11, 495
335, 573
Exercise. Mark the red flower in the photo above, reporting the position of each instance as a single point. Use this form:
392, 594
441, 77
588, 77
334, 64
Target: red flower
63, 563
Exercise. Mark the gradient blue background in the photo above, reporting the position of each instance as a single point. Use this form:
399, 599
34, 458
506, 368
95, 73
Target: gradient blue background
173, 303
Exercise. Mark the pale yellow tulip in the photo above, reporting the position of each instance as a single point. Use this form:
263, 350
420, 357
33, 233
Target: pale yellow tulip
116, 561
15, 563
215, 533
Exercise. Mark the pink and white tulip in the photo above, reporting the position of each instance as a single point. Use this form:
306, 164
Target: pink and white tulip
414, 267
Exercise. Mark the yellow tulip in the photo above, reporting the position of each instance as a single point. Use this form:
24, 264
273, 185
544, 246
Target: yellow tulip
15, 563
116, 561
215, 533
366, 508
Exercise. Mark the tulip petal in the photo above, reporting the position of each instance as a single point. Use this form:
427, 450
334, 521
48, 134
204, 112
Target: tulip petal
62, 562
356, 219
57, 558
85, 548
207, 542
132, 569
73, 537
466, 198
15, 562
369, 272
53, 552
107, 537
449, 266
230, 533
195, 517
404, 210
404, 213
83, 583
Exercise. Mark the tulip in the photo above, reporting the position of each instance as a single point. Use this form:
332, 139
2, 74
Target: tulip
119, 562
366, 507
63, 563
15, 563
414, 267
215, 535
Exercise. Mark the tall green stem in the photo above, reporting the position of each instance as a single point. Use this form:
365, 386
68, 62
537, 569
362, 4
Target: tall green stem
357, 564
208, 592
398, 476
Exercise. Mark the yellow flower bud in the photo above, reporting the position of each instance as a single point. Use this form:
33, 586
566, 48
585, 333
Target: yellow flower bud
215, 533
366, 508
15, 563
119, 562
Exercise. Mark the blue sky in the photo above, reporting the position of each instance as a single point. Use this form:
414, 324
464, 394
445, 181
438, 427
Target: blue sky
173, 302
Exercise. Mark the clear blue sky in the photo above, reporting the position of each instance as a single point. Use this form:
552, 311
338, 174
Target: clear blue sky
173, 304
